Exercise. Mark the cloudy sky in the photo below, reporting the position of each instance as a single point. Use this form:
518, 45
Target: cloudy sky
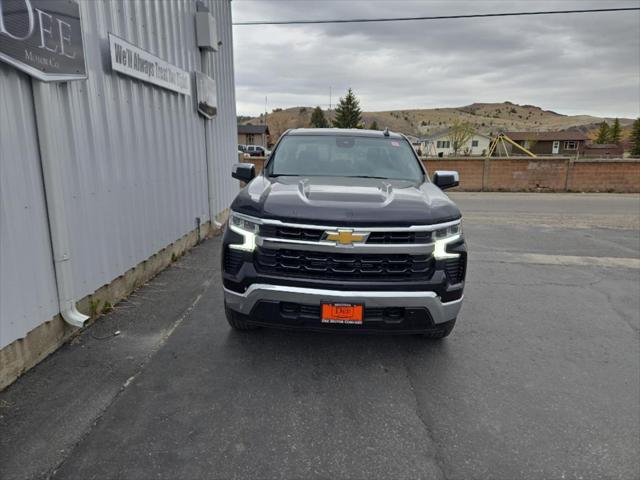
573, 64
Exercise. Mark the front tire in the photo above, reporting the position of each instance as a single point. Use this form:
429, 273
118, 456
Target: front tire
441, 331
237, 323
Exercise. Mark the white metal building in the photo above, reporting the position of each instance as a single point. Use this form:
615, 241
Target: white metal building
98, 175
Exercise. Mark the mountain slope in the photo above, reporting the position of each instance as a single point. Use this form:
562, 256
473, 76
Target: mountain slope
487, 118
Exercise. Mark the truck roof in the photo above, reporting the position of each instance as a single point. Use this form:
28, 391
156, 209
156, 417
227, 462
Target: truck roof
354, 132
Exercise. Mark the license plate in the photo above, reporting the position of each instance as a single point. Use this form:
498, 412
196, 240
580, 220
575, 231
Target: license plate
342, 313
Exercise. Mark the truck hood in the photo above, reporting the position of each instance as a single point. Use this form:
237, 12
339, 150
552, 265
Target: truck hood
339, 201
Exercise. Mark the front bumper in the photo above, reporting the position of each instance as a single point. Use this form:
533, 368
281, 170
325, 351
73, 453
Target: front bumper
438, 312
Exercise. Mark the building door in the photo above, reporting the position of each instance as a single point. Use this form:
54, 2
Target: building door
556, 147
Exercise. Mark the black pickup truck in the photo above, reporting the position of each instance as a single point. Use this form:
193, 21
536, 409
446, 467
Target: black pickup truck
343, 230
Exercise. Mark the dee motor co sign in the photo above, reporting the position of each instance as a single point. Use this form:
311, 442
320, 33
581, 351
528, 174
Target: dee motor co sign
43, 38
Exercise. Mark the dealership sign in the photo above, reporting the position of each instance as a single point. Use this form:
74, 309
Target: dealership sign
43, 38
131, 60
206, 95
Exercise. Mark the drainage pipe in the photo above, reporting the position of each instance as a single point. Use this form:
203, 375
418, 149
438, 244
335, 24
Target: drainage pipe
55, 142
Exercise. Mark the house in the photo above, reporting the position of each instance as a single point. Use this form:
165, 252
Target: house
440, 145
253, 135
416, 143
603, 150
564, 142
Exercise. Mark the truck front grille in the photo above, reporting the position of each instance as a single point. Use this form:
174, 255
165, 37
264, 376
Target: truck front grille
344, 265
371, 314
291, 233
399, 237
315, 235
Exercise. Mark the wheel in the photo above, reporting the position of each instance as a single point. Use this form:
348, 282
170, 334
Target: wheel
236, 322
441, 331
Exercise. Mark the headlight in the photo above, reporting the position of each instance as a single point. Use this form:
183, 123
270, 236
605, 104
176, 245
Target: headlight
442, 237
246, 226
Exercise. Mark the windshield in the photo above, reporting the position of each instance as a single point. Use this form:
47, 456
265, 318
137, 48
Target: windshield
345, 156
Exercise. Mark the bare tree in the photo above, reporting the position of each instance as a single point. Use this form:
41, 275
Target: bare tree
459, 134
530, 144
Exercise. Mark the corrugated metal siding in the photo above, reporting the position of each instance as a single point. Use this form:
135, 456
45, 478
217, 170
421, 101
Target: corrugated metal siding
28, 293
223, 129
138, 172
136, 178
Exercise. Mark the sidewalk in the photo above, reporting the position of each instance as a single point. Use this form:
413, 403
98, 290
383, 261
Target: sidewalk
47, 411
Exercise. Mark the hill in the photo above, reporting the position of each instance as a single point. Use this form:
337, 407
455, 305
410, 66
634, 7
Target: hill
487, 118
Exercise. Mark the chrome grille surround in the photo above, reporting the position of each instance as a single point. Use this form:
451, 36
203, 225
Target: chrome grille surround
413, 240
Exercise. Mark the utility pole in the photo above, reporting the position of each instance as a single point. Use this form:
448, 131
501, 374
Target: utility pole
265, 109
329, 99
264, 135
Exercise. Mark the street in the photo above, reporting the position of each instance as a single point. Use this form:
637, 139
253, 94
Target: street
539, 379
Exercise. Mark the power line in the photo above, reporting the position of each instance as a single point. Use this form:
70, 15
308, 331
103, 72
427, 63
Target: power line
438, 17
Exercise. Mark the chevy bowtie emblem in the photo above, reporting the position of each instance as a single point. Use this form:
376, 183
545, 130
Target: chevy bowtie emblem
345, 237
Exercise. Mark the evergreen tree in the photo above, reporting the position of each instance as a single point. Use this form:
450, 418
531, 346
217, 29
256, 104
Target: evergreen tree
374, 126
603, 133
635, 138
317, 118
348, 113
615, 134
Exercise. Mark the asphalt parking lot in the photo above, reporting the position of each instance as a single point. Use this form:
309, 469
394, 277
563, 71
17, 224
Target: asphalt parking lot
540, 379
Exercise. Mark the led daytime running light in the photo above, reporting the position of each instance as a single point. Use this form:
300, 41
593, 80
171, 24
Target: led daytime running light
247, 228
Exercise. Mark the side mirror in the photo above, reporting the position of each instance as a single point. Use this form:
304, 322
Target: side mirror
446, 179
245, 172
